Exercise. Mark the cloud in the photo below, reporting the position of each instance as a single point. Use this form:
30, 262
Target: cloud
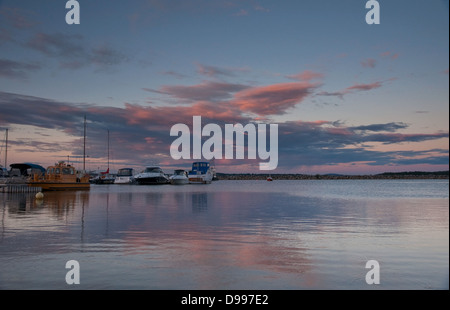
392, 138
352, 89
274, 99
206, 91
331, 143
214, 71
173, 74
390, 55
39, 112
306, 76
390, 127
363, 87
71, 52
369, 63
16, 70
140, 134
104, 55
58, 45
17, 18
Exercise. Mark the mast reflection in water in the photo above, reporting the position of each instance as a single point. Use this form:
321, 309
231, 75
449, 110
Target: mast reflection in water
229, 235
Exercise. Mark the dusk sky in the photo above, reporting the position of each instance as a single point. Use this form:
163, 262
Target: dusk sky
348, 97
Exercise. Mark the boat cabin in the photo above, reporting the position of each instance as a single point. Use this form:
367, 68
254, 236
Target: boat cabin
153, 170
125, 172
62, 172
199, 168
179, 172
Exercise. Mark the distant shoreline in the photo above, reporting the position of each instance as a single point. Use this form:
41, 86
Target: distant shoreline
439, 175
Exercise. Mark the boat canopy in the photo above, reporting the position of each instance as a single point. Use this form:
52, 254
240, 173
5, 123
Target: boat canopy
23, 167
153, 169
200, 166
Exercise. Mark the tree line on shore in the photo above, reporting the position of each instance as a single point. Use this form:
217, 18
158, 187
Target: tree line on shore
381, 176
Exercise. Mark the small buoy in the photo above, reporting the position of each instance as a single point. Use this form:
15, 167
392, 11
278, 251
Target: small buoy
39, 195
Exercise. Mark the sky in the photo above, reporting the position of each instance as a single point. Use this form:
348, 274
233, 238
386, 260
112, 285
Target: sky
348, 97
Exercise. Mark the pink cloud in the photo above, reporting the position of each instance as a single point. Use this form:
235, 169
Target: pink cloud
391, 55
273, 99
158, 117
306, 76
364, 87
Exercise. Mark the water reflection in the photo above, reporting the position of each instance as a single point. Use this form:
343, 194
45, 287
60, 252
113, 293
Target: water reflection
199, 202
203, 237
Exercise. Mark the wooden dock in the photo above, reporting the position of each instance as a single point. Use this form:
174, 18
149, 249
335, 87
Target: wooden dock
19, 188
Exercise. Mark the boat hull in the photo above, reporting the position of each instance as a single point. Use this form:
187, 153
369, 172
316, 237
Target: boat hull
103, 181
152, 180
123, 180
181, 181
200, 180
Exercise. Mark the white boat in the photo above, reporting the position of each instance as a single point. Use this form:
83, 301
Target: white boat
179, 177
125, 176
152, 175
104, 177
201, 173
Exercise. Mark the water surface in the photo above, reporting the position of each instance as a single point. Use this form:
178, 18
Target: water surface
289, 235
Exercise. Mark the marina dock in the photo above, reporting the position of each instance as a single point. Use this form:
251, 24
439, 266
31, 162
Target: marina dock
19, 188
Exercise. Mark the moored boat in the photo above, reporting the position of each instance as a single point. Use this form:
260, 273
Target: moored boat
179, 177
21, 173
103, 178
152, 175
201, 173
61, 176
124, 176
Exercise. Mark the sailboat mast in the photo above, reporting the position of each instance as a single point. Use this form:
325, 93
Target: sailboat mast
6, 149
84, 145
108, 149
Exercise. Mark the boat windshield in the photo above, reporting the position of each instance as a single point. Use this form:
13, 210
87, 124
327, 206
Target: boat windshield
124, 172
153, 170
67, 171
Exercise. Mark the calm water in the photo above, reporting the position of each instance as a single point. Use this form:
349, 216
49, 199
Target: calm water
287, 235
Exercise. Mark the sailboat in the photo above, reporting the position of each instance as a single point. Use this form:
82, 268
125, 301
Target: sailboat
3, 170
104, 177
